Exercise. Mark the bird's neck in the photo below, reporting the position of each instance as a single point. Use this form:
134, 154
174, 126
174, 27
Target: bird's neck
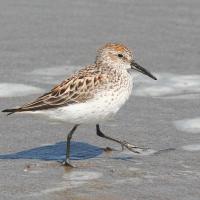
108, 66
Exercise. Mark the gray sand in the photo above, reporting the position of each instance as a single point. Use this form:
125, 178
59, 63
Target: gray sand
44, 41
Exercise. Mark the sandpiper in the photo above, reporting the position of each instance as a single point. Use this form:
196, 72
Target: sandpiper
92, 95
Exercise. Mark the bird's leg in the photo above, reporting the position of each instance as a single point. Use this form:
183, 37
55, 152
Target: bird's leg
69, 137
123, 143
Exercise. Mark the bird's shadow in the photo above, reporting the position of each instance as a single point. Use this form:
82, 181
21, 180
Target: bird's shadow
56, 152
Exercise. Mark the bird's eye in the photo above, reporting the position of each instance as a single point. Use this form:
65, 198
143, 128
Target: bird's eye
120, 55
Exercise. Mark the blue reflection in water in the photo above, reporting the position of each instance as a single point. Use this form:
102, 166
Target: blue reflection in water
79, 151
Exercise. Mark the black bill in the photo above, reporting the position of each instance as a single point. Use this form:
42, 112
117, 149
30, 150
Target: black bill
139, 68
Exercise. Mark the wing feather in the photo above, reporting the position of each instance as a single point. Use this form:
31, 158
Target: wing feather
78, 88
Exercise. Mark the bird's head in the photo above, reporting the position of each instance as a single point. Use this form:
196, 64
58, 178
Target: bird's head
120, 56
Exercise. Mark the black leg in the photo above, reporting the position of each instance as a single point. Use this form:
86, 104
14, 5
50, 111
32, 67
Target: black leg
123, 143
69, 137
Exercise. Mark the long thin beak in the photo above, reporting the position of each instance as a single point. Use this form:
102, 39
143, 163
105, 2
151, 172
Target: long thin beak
139, 68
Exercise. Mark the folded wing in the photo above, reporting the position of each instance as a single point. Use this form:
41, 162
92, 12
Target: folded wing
78, 88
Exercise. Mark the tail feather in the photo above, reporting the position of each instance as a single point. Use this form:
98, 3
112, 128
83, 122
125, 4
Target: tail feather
11, 111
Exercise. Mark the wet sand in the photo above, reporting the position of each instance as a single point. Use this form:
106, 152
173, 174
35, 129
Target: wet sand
44, 41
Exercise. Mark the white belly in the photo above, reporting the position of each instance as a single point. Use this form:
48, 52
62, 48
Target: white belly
101, 108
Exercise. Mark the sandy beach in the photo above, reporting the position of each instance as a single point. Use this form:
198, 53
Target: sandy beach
42, 42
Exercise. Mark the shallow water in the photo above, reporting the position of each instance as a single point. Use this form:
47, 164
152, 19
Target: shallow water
170, 86
192, 147
188, 125
16, 90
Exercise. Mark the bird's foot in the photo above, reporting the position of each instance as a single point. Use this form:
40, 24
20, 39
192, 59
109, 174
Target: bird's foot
133, 148
66, 163
108, 149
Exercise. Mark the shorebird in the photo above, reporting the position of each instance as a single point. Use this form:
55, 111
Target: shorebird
91, 95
